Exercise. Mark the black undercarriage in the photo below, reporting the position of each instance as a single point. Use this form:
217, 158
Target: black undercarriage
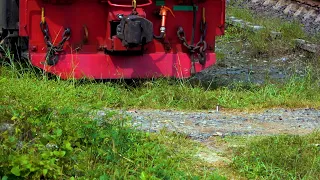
10, 42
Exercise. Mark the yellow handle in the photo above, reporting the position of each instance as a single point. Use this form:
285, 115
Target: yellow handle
134, 4
204, 15
43, 19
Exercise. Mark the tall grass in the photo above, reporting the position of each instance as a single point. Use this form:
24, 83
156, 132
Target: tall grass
163, 93
279, 157
262, 42
50, 129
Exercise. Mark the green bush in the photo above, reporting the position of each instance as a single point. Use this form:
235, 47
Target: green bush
48, 143
52, 129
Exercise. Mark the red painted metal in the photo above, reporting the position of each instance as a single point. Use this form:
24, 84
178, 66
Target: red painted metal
121, 5
100, 18
101, 66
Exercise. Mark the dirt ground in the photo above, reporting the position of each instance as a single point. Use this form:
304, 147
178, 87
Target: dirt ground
203, 125
209, 127
235, 62
237, 65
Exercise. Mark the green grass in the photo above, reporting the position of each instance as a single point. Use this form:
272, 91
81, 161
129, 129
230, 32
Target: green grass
60, 113
161, 94
55, 112
279, 157
262, 43
56, 134
290, 30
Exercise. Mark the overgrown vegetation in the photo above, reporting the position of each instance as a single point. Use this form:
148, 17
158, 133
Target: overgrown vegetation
162, 94
64, 143
54, 129
51, 129
279, 157
263, 42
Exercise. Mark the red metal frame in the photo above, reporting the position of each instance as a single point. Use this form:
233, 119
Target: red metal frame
130, 6
92, 62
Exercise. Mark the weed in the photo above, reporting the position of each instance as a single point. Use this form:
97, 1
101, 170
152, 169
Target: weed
279, 157
54, 130
262, 42
162, 93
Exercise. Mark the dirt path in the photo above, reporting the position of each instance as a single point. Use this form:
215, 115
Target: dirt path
202, 125
207, 127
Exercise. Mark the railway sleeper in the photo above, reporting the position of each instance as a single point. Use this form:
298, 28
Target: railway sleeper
308, 9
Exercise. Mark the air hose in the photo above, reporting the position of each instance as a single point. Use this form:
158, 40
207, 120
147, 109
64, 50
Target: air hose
163, 13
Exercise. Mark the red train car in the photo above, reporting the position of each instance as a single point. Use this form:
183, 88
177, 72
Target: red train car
112, 39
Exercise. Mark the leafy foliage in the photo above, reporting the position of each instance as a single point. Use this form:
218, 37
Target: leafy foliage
52, 129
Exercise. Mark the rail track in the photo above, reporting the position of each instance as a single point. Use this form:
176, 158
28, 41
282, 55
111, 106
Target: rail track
307, 9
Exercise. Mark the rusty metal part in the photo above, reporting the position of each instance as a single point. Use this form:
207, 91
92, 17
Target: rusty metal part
86, 34
53, 51
201, 47
85, 38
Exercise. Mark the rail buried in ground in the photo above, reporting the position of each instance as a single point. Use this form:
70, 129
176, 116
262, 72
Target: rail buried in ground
308, 9
300, 43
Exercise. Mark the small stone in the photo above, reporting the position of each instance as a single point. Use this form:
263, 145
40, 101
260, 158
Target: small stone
256, 28
6, 127
275, 34
313, 48
238, 22
218, 134
300, 41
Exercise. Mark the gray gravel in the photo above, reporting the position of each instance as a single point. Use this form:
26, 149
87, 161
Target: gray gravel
240, 67
237, 61
237, 65
203, 125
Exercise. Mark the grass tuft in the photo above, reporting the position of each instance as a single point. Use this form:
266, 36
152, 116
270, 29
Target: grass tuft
159, 94
262, 42
279, 157
57, 130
